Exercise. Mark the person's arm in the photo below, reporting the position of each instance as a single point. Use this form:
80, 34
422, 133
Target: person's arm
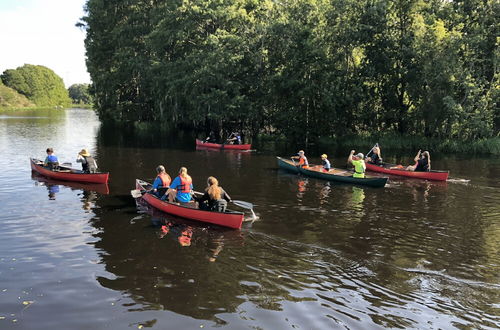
226, 196
175, 183
349, 159
156, 184
417, 157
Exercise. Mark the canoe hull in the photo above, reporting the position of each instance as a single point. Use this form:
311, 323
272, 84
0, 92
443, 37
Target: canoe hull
432, 175
71, 175
226, 219
200, 143
101, 188
370, 181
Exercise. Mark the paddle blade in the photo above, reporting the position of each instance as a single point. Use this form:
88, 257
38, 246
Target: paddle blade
136, 193
245, 205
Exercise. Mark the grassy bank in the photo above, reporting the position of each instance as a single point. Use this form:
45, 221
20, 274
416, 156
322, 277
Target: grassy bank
404, 143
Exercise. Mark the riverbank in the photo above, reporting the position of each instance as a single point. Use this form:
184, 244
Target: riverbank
35, 108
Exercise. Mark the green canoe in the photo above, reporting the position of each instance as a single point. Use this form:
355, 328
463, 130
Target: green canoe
334, 174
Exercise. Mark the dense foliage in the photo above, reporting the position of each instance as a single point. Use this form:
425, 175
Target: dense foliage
9, 98
305, 68
79, 94
39, 84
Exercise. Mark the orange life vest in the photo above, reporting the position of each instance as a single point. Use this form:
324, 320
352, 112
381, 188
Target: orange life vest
165, 179
303, 162
185, 185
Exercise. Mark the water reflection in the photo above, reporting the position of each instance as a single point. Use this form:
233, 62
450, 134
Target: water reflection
86, 187
174, 268
356, 201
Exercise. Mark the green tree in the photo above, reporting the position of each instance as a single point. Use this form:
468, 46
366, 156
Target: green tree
79, 93
38, 83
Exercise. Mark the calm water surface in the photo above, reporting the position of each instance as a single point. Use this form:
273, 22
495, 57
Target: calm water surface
414, 254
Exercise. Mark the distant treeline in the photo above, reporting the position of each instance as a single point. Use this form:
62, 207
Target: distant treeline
307, 69
38, 86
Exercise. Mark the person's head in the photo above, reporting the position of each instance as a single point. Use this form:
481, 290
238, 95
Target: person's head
211, 181
160, 169
376, 150
50, 151
324, 156
425, 154
301, 153
183, 172
84, 153
358, 156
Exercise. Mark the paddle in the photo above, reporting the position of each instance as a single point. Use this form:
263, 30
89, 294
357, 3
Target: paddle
245, 205
136, 193
368, 153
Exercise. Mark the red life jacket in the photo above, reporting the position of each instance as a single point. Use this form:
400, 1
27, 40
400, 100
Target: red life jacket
165, 179
185, 185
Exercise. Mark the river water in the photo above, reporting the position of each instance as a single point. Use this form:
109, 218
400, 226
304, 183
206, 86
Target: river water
415, 254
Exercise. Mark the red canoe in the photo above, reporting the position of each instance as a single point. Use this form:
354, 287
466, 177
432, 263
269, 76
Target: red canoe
202, 144
226, 219
68, 174
431, 175
101, 188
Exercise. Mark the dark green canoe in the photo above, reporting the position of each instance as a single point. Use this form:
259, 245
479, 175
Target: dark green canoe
333, 175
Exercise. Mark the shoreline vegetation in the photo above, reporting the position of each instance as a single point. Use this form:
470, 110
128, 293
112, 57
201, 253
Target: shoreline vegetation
389, 142
306, 70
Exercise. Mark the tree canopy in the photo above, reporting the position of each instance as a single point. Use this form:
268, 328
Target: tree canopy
79, 93
303, 68
38, 83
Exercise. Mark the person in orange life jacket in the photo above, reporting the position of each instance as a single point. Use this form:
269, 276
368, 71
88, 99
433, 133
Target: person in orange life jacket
325, 162
181, 187
161, 183
358, 163
214, 198
89, 164
422, 162
302, 159
51, 160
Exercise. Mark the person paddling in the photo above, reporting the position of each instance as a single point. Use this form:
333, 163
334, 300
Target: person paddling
89, 164
215, 198
51, 161
374, 156
302, 159
422, 162
358, 163
181, 188
326, 163
161, 183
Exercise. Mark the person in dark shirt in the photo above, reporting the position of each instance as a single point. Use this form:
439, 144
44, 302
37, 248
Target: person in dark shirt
214, 198
422, 162
375, 156
89, 164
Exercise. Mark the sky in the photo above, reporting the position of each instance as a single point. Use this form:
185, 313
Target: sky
43, 32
